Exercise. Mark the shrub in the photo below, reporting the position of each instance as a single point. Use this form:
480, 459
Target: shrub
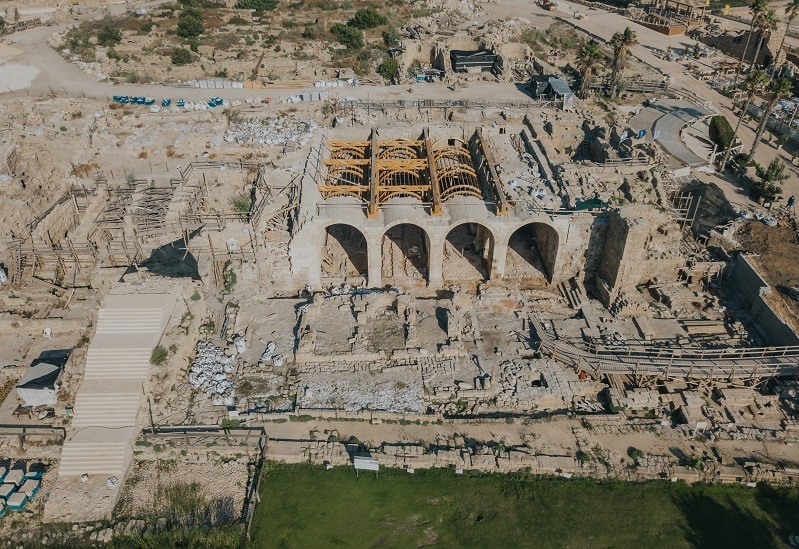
181, 56
584, 457
391, 37
229, 278
109, 36
310, 32
634, 453
112, 54
388, 69
241, 203
721, 132
350, 37
158, 356
367, 18
189, 26
238, 21
257, 5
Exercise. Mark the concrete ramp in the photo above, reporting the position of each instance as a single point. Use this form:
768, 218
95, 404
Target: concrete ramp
107, 405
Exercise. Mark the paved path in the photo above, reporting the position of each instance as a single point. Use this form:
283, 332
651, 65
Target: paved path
107, 405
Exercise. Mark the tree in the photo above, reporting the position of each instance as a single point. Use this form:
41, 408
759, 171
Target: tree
791, 11
621, 43
349, 36
589, 58
756, 9
771, 178
768, 22
367, 18
751, 84
181, 56
257, 5
388, 69
190, 27
779, 88
109, 36
721, 132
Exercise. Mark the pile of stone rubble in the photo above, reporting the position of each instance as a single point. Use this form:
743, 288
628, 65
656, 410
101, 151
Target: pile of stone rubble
355, 395
209, 373
272, 131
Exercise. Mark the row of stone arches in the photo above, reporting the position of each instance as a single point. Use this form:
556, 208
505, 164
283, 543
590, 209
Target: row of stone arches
469, 252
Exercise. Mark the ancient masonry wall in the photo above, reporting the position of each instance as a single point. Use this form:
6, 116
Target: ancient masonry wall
749, 287
638, 247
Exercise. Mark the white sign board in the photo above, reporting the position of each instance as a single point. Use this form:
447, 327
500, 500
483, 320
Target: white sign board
366, 464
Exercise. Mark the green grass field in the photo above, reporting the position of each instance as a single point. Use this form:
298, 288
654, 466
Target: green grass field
306, 506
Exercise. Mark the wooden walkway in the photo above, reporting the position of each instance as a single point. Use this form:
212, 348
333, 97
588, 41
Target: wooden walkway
731, 364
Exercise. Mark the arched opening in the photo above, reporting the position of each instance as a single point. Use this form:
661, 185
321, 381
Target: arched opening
405, 250
532, 250
344, 254
468, 249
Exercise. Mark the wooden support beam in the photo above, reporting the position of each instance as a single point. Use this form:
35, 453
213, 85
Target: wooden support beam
371, 210
388, 164
346, 162
343, 188
496, 182
433, 174
347, 144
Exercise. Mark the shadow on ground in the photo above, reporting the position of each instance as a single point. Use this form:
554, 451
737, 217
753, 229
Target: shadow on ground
716, 520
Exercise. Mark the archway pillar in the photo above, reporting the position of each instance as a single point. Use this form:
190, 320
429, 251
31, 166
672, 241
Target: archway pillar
435, 261
374, 260
496, 269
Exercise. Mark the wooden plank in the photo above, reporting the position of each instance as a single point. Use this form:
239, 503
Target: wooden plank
432, 174
371, 210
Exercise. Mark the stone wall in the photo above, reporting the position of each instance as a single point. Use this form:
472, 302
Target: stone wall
750, 289
641, 244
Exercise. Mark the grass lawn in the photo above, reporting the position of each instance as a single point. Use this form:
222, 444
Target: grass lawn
307, 506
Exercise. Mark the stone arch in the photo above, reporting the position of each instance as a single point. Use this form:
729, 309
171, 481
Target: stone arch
405, 253
344, 253
468, 251
532, 251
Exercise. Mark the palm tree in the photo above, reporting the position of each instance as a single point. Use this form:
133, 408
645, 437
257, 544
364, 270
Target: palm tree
621, 42
589, 58
768, 22
779, 87
756, 9
751, 84
791, 11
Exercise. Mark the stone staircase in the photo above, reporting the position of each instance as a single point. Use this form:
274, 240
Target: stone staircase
107, 404
572, 293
